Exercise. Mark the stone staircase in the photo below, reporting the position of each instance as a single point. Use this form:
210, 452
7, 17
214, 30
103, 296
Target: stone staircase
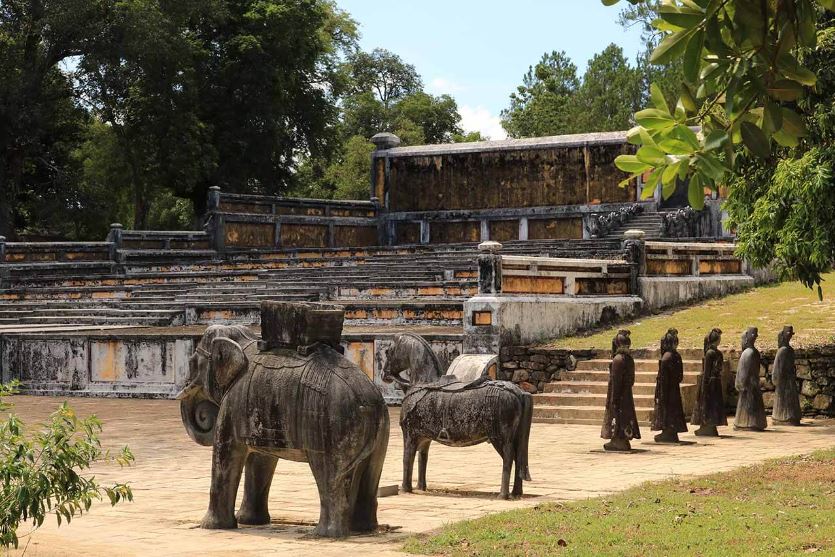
651, 223
580, 396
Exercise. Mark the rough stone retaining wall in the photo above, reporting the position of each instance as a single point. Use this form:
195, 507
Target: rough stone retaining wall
532, 368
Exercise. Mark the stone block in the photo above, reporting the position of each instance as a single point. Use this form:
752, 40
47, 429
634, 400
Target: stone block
537, 376
553, 368
537, 366
520, 375
528, 388
768, 399
809, 389
289, 325
540, 358
803, 370
822, 402
510, 365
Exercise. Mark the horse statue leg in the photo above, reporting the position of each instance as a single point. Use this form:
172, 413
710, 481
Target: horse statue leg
409, 449
423, 458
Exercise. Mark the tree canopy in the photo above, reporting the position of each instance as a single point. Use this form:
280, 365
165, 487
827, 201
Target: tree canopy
753, 75
553, 100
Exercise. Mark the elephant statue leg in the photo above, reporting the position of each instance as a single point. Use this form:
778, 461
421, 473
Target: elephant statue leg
409, 450
337, 496
227, 464
423, 458
364, 515
258, 477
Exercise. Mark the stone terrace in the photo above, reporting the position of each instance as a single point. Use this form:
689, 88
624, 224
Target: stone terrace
171, 477
176, 285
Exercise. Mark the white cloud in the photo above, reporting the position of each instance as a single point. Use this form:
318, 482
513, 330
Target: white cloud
443, 86
480, 119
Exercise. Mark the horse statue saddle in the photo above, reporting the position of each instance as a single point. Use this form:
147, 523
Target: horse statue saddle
452, 384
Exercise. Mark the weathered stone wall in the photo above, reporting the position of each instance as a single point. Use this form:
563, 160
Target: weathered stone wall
567, 170
816, 375
532, 368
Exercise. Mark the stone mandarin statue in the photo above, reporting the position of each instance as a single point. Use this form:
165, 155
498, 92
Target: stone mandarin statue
709, 410
668, 415
784, 377
620, 423
750, 409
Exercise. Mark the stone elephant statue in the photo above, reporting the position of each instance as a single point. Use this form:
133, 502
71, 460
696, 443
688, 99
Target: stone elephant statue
309, 404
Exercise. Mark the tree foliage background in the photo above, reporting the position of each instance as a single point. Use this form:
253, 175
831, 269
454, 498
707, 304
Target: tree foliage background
130, 110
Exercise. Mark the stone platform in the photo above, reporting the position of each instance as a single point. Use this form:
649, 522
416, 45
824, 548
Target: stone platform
152, 362
170, 479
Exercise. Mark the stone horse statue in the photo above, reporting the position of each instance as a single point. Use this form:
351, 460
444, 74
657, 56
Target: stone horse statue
457, 413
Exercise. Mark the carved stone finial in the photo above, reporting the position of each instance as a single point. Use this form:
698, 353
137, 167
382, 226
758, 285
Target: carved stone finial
490, 247
633, 234
385, 140
116, 225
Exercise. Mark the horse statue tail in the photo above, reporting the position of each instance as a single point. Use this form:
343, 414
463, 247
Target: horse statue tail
523, 436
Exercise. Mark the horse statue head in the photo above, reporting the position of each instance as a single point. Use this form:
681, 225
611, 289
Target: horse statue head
410, 361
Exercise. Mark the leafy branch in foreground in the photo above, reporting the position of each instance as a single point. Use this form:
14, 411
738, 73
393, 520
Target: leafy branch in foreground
42, 472
743, 78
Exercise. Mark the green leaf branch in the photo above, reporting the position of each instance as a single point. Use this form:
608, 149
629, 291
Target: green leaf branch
743, 79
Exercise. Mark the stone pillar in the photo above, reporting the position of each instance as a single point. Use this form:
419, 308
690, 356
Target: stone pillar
213, 199
635, 251
490, 268
115, 238
379, 165
3, 271
214, 221
425, 232
523, 228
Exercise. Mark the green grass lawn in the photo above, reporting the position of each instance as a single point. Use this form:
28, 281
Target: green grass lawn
767, 307
780, 507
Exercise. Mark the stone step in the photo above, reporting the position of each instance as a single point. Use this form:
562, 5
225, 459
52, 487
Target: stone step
595, 400
89, 320
603, 376
596, 387
581, 414
640, 365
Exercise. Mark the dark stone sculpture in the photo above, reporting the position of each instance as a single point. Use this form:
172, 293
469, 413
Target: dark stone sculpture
680, 223
709, 410
255, 402
620, 422
457, 413
784, 376
750, 409
668, 417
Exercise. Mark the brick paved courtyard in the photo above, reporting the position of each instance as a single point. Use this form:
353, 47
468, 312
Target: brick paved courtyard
170, 480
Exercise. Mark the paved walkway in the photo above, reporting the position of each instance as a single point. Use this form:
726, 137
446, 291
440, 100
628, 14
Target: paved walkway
170, 480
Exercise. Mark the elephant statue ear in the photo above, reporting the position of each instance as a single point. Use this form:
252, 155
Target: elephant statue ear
228, 363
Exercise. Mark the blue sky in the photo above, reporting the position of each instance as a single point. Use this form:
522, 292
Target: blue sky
478, 51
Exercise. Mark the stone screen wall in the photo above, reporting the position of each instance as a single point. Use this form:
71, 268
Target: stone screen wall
564, 170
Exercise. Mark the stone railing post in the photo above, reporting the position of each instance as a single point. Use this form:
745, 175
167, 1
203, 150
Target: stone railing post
635, 253
4, 273
114, 236
490, 268
380, 165
2, 249
215, 222
213, 199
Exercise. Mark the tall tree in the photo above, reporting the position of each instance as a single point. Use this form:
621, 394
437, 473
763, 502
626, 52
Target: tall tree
610, 93
37, 113
543, 104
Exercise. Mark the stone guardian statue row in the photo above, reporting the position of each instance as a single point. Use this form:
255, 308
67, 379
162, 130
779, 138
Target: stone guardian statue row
620, 423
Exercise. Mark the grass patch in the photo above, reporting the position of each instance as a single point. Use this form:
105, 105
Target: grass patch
780, 507
768, 307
